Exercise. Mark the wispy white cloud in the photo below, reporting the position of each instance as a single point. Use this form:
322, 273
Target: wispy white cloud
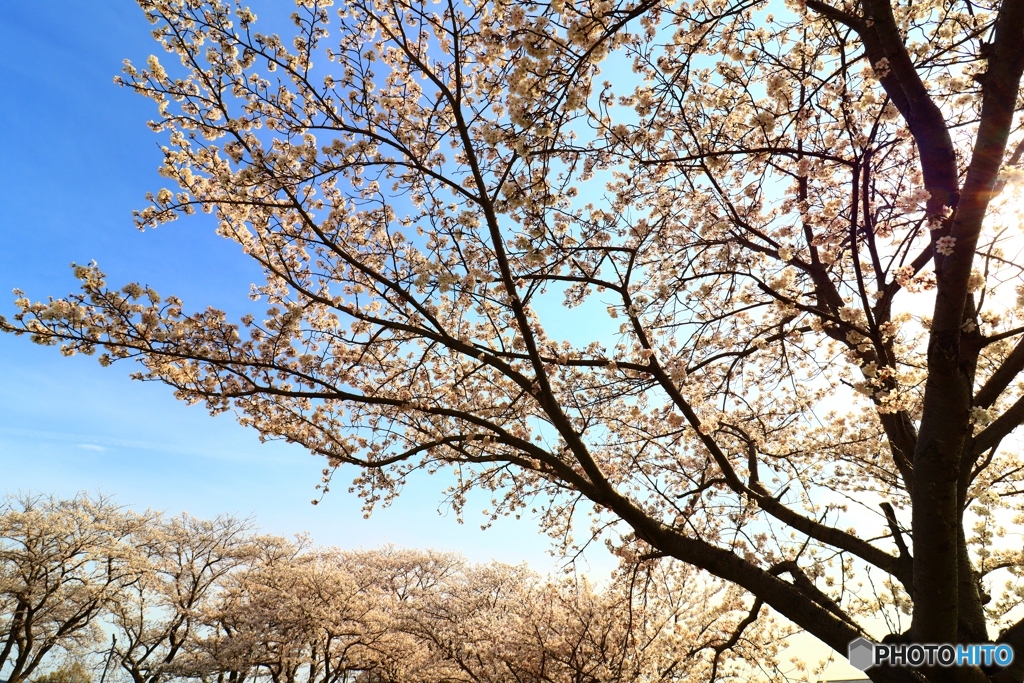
95, 442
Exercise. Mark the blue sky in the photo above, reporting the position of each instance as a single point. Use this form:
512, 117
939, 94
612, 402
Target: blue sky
77, 157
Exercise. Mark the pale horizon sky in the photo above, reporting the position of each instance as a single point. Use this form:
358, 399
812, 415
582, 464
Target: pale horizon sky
77, 159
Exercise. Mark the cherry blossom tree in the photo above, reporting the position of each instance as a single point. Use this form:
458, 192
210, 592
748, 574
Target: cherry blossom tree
184, 564
62, 564
736, 277
293, 614
74, 672
388, 615
500, 623
199, 600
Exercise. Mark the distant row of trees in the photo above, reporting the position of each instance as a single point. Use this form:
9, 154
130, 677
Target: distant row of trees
213, 600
